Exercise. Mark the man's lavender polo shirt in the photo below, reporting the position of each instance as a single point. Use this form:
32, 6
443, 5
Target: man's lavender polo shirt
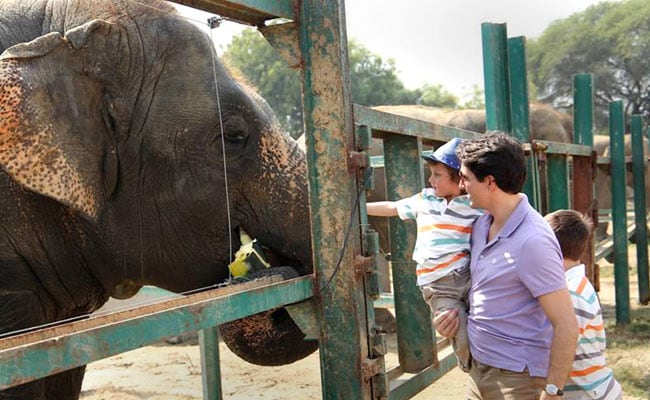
507, 327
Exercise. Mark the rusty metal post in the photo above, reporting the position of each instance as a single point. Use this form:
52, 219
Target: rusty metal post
333, 194
584, 167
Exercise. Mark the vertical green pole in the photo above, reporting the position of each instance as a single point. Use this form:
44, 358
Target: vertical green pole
619, 214
583, 116
557, 182
638, 170
495, 72
521, 113
583, 167
404, 178
210, 369
332, 192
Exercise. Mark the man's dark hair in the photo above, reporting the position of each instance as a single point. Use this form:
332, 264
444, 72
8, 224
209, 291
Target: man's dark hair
572, 230
498, 154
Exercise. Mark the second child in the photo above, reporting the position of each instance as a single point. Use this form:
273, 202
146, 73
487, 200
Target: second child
590, 378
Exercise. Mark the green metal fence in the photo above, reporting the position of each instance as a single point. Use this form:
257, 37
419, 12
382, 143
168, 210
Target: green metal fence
343, 288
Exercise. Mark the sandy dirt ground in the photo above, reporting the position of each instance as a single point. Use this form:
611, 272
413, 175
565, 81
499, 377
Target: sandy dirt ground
166, 372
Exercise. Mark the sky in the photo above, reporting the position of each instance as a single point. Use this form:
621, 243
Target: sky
437, 41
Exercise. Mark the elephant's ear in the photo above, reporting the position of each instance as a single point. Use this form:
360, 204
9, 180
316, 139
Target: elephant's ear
54, 135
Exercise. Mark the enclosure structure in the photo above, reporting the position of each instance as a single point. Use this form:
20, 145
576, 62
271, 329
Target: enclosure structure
343, 289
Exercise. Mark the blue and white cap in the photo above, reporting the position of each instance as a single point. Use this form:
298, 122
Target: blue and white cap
446, 154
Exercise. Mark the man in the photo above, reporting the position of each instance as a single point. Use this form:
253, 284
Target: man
521, 326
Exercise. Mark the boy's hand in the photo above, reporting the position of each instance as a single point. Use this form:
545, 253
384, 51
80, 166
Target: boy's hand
446, 323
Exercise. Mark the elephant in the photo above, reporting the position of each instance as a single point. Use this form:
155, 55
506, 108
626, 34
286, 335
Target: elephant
130, 156
546, 122
603, 180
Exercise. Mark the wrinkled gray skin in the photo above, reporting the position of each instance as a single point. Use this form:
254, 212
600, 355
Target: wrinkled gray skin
546, 124
604, 182
112, 172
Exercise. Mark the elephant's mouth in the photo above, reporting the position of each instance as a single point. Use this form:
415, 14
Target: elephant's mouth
264, 255
270, 337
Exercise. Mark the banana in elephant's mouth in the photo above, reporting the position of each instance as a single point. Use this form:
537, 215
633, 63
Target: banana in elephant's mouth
249, 258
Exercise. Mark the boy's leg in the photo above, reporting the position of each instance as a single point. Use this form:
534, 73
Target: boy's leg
447, 293
430, 297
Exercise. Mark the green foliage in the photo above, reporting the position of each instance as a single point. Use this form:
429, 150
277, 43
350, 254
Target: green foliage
610, 40
437, 96
474, 99
265, 70
373, 81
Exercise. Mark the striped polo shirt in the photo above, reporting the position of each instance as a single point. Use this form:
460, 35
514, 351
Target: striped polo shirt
590, 378
444, 230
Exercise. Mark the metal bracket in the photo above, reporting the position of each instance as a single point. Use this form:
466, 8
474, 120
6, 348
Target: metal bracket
214, 22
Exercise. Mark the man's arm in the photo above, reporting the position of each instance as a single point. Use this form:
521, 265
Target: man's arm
382, 209
559, 310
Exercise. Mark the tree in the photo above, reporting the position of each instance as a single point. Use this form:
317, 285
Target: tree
474, 99
265, 70
373, 81
610, 40
437, 96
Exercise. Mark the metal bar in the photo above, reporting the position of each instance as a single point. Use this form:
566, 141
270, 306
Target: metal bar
384, 124
583, 115
520, 114
251, 12
404, 178
558, 182
58, 348
332, 192
495, 71
619, 218
210, 367
584, 165
565, 148
405, 388
638, 170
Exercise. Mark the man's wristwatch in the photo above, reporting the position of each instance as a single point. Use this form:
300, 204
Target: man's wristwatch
553, 390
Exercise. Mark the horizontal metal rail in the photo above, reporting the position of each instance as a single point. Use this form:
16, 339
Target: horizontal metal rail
250, 12
44, 352
383, 123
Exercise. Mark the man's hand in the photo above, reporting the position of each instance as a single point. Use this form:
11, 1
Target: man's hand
447, 322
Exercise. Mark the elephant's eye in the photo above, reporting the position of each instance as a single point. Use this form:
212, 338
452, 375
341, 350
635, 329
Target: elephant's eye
235, 129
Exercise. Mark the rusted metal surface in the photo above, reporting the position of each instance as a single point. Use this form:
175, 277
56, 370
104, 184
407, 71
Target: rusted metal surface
584, 164
58, 348
284, 39
341, 301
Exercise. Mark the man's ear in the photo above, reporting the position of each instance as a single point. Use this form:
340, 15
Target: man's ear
54, 139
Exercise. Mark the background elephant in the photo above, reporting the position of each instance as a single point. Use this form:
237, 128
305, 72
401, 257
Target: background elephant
112, 153
603, 180
546, 123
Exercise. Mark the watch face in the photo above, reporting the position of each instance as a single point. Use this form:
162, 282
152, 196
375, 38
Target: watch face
551, 389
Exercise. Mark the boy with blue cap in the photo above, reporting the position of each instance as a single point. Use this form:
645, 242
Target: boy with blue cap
444, 221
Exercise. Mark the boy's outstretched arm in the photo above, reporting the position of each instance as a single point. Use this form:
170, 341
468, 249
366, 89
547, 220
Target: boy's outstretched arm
382, 209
